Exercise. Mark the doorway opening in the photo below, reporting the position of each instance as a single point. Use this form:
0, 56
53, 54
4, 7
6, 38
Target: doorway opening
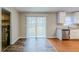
5, 29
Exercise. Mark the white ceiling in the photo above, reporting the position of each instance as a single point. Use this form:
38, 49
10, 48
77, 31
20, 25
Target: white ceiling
47, 9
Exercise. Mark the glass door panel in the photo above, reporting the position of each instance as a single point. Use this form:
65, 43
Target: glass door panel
36, 27
31, 27
41, 26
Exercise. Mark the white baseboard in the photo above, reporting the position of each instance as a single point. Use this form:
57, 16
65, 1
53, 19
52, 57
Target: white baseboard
21, 37
15, 41
25, 37
46, 37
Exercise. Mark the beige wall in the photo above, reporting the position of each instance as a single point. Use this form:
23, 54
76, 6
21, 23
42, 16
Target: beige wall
50, 23
14, 26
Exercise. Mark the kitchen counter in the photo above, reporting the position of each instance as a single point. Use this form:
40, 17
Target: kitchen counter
65, 29
73, 33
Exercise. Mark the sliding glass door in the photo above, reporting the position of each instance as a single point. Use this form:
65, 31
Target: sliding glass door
41, 26
35, 27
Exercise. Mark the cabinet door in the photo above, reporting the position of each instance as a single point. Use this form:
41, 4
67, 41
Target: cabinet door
76, 14
74, 34
61, 17
59, 34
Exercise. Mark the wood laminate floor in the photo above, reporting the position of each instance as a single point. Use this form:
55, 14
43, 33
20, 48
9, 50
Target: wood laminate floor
65, 45
44, 45
31, 45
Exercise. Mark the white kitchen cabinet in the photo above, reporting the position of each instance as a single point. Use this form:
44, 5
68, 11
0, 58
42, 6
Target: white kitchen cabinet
74, 34
61, 17
76, 17
59, 34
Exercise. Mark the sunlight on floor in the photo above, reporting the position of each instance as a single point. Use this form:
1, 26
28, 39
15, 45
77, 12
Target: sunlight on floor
31, 45
37, 44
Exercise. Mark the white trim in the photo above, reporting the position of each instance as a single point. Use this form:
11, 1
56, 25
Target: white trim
46, 37
14, 41
22, 37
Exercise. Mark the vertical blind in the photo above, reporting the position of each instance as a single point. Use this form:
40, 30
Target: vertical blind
35, 26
